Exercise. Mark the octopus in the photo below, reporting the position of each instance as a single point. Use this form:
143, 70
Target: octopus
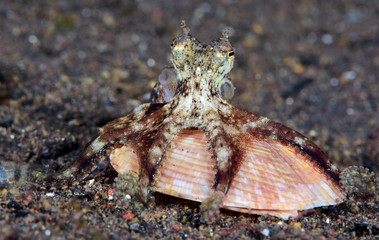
190, 142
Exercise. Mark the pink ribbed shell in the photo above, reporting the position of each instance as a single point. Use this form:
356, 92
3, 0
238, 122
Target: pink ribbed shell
272, 178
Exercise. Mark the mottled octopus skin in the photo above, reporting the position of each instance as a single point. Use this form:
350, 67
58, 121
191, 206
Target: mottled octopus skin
164, 90
200, 106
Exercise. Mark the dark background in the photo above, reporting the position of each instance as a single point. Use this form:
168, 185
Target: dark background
69, 67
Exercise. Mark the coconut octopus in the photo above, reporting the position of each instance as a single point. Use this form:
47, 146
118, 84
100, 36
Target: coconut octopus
190, 142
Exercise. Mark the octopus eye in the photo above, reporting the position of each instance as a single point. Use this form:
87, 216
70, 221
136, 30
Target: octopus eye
172, 44
230, 54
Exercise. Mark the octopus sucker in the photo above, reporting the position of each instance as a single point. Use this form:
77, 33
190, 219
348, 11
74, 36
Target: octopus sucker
190, 142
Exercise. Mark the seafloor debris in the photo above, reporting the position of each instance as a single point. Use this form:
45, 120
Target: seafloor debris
359, 182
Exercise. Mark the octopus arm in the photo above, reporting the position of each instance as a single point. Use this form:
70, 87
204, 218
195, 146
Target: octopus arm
137, 128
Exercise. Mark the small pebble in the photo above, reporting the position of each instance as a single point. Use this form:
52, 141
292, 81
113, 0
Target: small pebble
327, 39
297, 225
50, 194
266, 232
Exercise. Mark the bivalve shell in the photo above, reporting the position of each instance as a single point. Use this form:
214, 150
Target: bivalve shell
272, 178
